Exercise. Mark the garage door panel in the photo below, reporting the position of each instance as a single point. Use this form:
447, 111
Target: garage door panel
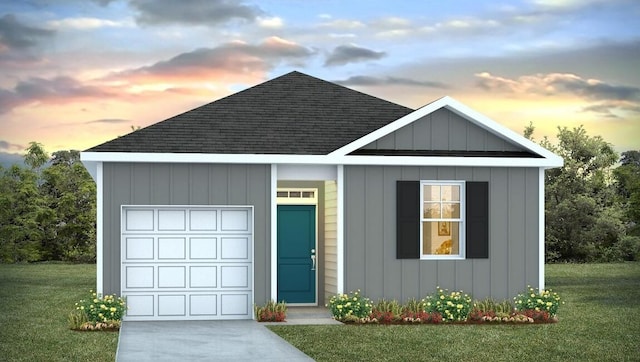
140, 305
181, 263
234, 304
139, 220
139, 248
234, 276
203, 305
203, 220
203, 277
172, 277
172, 248
203, 248
172, 220
234, 248
235, 220
138, 277
172, 305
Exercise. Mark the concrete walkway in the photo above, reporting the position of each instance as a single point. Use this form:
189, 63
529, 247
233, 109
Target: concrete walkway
244, 340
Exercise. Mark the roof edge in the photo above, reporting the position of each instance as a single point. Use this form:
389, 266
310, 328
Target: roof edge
127, 157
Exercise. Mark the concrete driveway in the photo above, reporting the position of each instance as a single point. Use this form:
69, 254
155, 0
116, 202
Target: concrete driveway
203, 341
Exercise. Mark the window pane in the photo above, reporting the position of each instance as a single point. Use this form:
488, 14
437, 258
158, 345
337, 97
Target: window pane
437, 242
431, 193
451, 193
450, 211
431, 210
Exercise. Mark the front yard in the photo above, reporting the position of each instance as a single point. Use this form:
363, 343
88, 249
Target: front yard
35, 301
600, 322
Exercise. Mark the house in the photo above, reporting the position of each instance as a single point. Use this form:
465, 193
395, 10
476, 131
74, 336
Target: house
297, 189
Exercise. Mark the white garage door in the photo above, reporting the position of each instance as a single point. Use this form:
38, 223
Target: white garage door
187, 263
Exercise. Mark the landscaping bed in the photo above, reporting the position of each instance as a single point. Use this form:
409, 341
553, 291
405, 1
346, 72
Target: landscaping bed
529, 307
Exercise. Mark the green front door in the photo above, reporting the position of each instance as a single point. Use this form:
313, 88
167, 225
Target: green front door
297, 253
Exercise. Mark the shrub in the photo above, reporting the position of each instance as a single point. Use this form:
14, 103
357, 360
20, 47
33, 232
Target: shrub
349, 306
271, 312
544, 300
453, 306
98, 312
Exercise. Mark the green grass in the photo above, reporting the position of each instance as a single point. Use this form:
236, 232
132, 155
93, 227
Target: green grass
600, 321
35, 301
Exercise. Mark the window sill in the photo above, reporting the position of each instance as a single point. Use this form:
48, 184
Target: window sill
442, 257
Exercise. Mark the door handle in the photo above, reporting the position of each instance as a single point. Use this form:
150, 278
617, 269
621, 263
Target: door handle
313, 259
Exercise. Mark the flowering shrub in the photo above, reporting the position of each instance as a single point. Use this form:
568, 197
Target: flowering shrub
350, 306
98, 312
271, 312
545, 300
454, 306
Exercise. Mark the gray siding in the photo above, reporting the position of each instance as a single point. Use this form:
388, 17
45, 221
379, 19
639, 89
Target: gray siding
370, 235
186, 184
443, 130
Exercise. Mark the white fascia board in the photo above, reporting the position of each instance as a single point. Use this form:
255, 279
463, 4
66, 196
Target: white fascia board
321, 159
461, 110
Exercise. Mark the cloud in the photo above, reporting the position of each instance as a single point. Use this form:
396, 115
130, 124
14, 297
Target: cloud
15, 35
193, 12
85, 23
342, 24
234, 58
608, 99
18, 43
41, 90
554, 83
10, 147
270, 23
363, 80
109, 121
345, 54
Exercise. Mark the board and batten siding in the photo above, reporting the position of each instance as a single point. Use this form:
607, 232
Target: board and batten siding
186, 184
442, 130
370, 235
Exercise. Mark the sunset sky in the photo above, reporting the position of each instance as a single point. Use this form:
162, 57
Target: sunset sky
76, 73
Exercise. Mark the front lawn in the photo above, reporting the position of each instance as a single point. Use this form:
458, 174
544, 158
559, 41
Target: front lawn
35, 300
600, 321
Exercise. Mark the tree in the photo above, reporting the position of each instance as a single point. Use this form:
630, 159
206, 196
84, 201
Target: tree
36, 156
47, 213
627, 176
19, 213
70, 192
583, 219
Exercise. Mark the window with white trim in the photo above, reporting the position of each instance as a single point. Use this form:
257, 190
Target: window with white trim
442, 211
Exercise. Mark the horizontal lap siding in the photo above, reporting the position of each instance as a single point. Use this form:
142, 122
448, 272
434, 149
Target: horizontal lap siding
186, 184
330, 240
370, 235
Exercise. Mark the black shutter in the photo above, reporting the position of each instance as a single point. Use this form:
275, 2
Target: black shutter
477, 220
408, 220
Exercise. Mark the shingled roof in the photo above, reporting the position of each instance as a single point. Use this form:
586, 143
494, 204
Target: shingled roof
292, 114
